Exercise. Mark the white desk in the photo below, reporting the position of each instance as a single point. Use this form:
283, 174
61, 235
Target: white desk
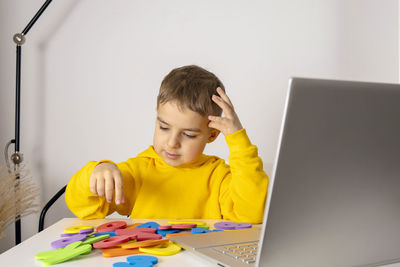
23, 254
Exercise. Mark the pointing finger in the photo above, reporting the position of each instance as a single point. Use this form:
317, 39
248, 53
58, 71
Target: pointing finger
109, 186
119, 192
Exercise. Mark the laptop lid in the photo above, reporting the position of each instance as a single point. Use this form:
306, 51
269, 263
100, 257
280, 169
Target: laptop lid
335, 197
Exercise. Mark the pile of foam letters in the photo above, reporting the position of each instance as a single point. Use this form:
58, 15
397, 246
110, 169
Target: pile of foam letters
116, 238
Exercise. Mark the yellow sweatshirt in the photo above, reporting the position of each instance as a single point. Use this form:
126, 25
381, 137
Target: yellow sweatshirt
206, 189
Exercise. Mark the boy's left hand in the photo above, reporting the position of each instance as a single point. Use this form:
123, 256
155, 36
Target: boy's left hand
228, 124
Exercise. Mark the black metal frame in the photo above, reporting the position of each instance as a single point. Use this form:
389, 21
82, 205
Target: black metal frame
48, 205
19, 39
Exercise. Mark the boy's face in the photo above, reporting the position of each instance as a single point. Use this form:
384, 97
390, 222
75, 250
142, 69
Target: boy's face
180, 134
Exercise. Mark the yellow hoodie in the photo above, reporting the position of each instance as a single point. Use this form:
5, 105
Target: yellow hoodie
204, 189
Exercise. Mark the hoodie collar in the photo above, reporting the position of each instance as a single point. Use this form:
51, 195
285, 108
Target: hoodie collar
159, 162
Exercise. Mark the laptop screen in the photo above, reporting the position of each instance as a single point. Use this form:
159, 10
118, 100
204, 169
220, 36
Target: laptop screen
335, 194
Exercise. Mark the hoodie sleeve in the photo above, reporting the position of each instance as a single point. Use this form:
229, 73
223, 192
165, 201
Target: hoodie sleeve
86, 205
244, 189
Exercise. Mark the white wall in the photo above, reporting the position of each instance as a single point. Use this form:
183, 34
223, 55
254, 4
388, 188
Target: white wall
92, 68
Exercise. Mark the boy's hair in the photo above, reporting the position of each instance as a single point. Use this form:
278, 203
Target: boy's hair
191, 87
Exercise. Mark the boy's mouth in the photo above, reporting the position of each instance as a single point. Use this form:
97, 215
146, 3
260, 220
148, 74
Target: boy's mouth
171, 155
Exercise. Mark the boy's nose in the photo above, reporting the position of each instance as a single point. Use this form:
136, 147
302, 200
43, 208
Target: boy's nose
173, 141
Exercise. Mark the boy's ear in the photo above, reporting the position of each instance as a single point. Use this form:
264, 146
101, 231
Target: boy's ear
213, 135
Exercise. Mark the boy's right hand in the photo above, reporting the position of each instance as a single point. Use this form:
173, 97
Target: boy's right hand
104, 178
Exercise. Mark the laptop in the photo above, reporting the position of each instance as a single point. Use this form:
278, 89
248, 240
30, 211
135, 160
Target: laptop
334, 196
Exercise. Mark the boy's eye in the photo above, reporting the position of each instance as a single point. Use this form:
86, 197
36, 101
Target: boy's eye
189, 135
163, 128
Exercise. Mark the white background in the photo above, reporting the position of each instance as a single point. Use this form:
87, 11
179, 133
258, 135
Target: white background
91, 70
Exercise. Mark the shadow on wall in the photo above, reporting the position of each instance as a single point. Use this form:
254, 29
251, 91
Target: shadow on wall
58, 18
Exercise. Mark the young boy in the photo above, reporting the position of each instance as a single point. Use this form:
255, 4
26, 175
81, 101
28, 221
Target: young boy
173, 178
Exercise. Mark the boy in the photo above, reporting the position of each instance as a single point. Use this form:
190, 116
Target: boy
173, 178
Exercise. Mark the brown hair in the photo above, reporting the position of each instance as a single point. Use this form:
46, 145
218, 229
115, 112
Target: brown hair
191, 87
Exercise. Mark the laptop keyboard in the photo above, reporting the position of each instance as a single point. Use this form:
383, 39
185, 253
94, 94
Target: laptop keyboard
245, 252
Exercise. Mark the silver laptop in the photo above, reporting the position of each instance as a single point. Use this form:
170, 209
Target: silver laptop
334, 196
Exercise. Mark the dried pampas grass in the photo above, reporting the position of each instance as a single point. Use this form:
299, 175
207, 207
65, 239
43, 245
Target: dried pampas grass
17, 196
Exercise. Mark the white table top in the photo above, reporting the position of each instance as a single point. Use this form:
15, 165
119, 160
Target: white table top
23, 254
